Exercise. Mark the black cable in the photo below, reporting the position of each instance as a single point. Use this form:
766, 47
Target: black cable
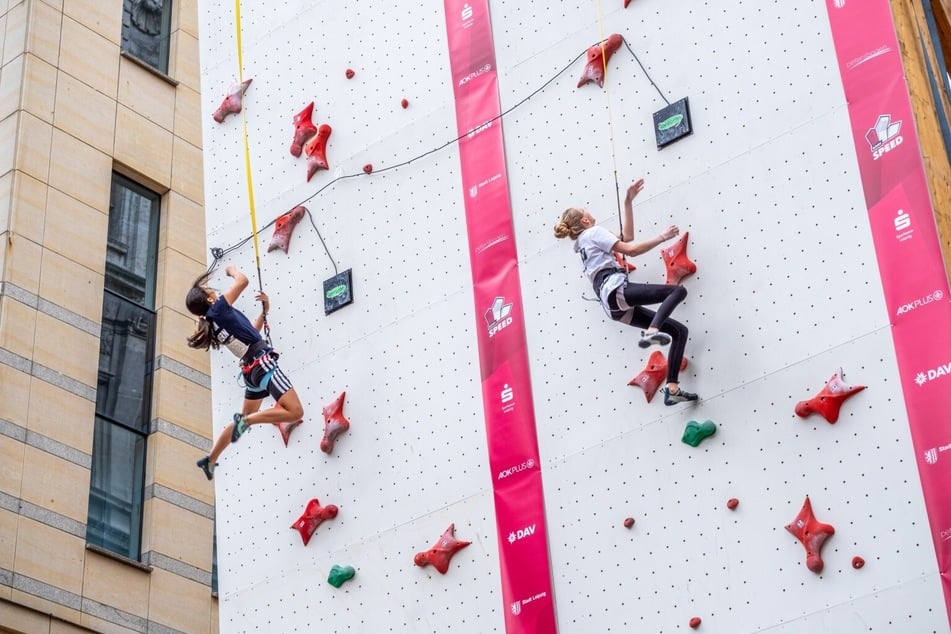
218, 253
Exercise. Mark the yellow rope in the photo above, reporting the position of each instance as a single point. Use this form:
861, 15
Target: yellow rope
247, 151
607, 93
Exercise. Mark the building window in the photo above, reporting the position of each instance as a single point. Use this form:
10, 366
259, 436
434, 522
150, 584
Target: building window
145, 31
124, 390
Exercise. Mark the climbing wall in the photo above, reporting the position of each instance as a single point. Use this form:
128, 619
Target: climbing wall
786, 293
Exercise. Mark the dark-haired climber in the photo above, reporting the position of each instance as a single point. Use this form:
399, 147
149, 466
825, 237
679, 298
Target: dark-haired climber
220, 324
622, 299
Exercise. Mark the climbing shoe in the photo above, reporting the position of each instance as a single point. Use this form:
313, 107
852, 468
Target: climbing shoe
240, 427
680, 396
654, 338
205, 465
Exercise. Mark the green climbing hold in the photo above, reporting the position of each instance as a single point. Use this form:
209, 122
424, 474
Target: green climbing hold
339, 574
696, 432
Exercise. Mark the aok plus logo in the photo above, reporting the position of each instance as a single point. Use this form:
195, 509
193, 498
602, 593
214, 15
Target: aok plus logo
936, 296
498, 316
884, 136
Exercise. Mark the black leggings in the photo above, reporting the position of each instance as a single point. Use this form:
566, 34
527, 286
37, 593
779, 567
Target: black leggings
627, 306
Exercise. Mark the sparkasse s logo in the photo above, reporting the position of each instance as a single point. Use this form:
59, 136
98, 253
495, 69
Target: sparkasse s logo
884, 136
498, 316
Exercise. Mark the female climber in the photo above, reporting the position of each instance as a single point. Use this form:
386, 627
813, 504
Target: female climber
624, 300
220, 324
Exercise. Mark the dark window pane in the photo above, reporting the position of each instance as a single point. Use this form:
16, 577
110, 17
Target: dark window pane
145, 31
115, 492
130, 252
125, 362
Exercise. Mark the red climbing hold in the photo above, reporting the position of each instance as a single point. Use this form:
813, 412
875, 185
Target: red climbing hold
654, 374
442, 551
368, 168
857, 562
598, 57
232, 102
695, 622
624, 264
316, 151
304, 129
313, 516
628, 522
405, 103
626, 2
678, 264
335, 423
286, 429
828, 401
812, 533
350, 73
284, 227
732, 503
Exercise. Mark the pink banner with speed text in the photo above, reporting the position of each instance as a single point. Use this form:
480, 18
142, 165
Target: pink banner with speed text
906, 241
503, 354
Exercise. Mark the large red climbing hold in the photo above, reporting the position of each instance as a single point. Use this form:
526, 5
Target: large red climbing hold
598, 57
314, 515
335, 423
442, 551
316, 151
695, 622
812, 533
828, 401
284, 227
233, 101
304, 129
654, 375
678, 264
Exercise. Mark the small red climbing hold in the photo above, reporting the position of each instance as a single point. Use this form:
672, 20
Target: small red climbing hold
368, 168
732, 503
350, 73
695, 622
628, 522
857, 562
405, 103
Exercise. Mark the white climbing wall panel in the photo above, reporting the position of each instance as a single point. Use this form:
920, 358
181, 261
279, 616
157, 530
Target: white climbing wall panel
787, 291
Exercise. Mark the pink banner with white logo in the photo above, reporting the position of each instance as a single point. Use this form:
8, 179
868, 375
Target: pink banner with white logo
503, 354
906, 241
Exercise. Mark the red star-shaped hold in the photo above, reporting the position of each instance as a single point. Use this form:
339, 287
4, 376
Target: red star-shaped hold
284, 227
654, 374
442, 551
313, 515
678, 264
286, 429
828, 401
812, 533
598, 57
335, 423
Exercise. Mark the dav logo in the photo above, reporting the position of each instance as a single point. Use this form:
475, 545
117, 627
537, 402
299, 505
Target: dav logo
521, 533
498, 316
935, 373
945, 534
884, 136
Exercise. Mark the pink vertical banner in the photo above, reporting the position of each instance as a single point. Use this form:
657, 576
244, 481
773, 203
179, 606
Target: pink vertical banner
907, 245
503, 354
